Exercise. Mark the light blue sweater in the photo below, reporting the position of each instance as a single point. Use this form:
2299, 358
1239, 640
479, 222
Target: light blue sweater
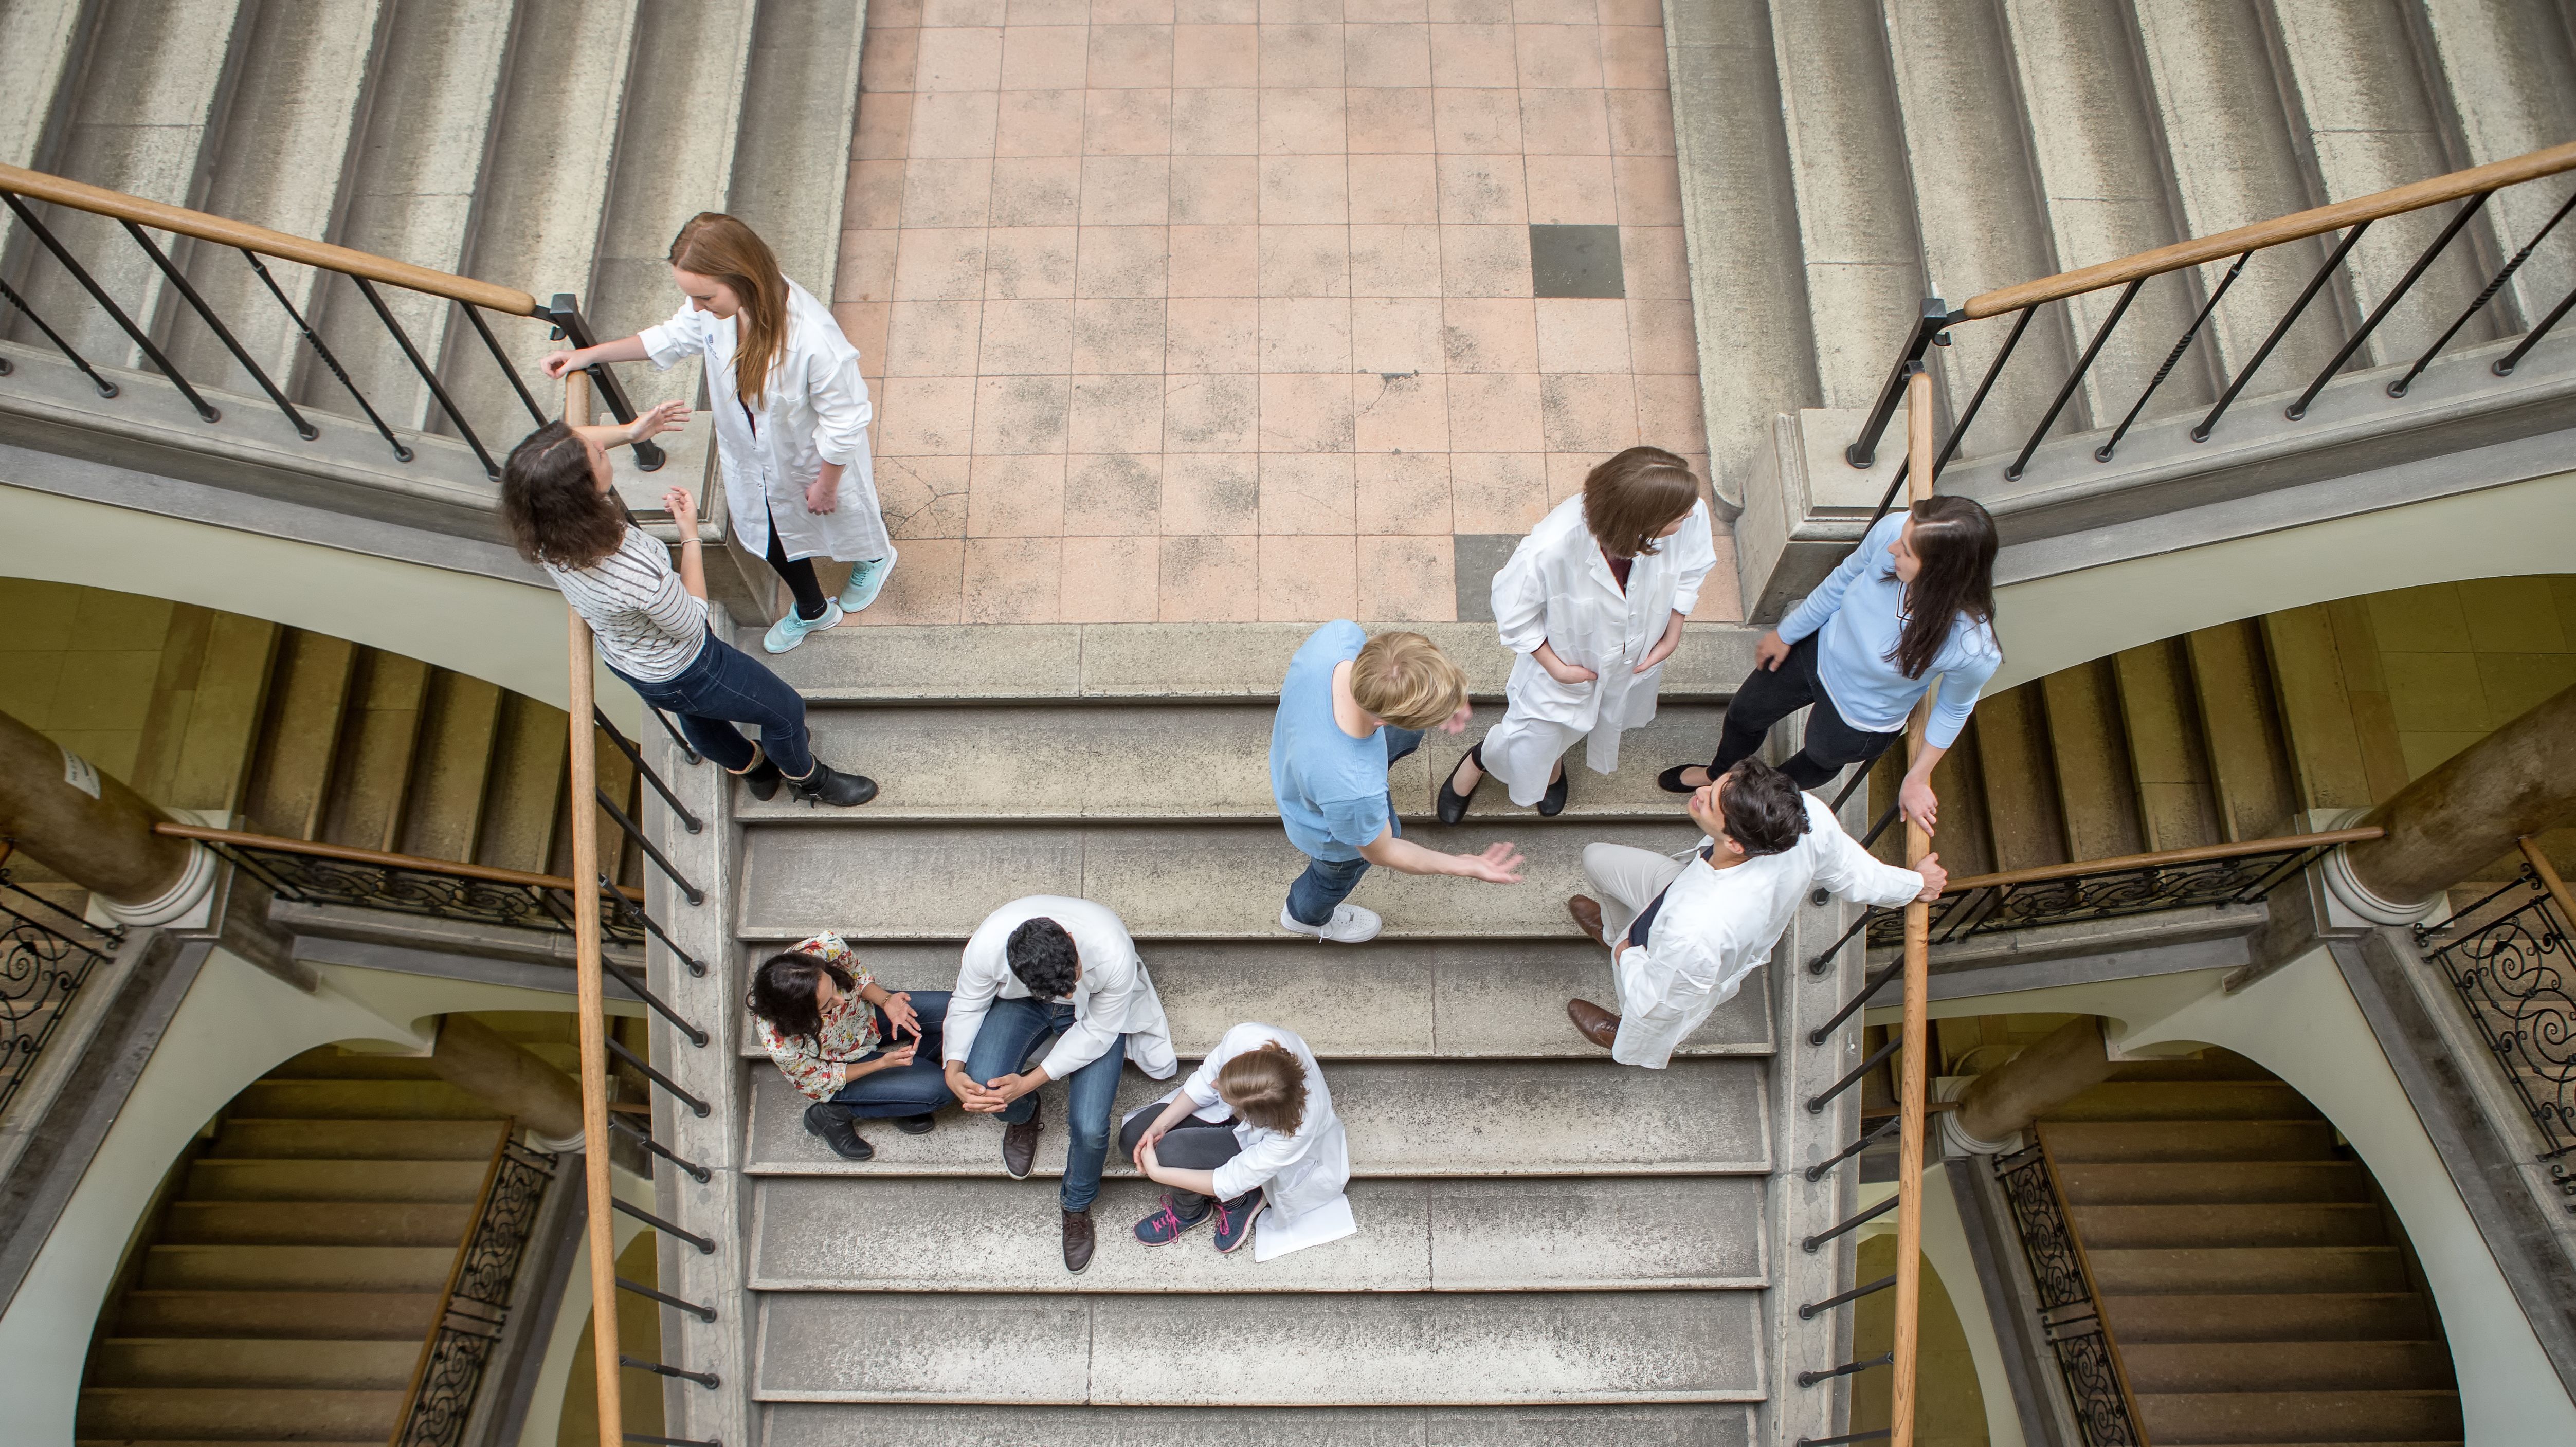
1861, 609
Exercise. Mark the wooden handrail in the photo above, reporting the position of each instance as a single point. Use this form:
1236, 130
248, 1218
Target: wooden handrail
2315, 221
2200, 855
349, 855
161, 216
1913, 1074
2549, 879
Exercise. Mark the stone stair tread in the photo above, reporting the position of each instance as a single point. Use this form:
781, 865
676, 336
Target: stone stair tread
2331, 1416
805, 1424
316, 1223
1415, 1235
1141, 761
1700, 1116
314, 1268
2285, 1366
2125, 1183
233, 1178
2145, 1100
308, 1414
1310, 1349
2268, 1316
2200, 1271
2175, 1142
247, 1137
2268, 1223
242, 1314
273, 1362
1439, 999
361, 1100
1214, 881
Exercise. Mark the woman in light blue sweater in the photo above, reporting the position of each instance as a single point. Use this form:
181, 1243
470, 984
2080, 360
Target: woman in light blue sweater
1914, 602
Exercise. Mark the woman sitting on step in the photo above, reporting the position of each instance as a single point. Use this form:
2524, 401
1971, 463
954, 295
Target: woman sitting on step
1592, 601
835, 1033
564, 514
1914, 602
1252, 1128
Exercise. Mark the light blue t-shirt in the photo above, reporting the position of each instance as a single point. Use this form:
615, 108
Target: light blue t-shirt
1860, 610
1331, 787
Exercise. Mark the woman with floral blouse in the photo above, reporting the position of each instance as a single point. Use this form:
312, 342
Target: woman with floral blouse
855, 1049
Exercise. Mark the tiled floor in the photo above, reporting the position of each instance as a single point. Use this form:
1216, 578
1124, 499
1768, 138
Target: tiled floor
1222, 309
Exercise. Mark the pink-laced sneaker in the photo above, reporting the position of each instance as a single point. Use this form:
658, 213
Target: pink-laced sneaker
1234, 1219
1166, 1225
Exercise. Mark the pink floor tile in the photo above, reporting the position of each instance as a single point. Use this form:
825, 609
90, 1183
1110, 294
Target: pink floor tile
924, 586
923, 497
1113, 494
1012, 580
1388, 121
1015, 497
1306, 492
1564, 122
1497, 492
1207, 494
959, 58
1386, 55
1401, 414
1215, 55
1403, 493
1211, 580
1214, 413
1216, 190
1111, 580
1308, 578
1406, 579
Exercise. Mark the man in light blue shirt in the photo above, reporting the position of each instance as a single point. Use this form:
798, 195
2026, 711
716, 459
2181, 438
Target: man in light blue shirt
1350, 707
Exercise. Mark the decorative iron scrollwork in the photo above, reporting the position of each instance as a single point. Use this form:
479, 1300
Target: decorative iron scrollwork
2508, 958
478, 1301
2111, 894
313, 879
2067, 1313
46, 955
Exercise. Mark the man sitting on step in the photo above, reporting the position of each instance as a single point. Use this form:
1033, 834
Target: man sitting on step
1683, 933
1046, 966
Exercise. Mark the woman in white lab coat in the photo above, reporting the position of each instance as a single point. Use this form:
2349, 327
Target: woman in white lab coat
1593, 602
791, 416
1251, 1129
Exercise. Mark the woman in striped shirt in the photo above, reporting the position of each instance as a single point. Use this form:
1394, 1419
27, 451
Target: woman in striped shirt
651, 624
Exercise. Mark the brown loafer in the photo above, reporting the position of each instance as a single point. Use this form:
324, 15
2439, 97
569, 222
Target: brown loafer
1592, 1022
1020, 1147
1586, 914
1078, 1240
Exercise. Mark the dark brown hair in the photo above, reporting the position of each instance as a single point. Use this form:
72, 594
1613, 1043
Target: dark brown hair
714, 244
552, 504
1634, 496
1955, 539
783, 989
1763, 808
1266, 1086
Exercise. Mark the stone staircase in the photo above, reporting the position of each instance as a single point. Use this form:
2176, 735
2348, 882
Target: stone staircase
2258, 1290
1843, 159
284, 1292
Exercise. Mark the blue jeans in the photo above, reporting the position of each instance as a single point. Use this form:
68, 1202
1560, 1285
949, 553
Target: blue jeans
1327, 882
1012, 1031
724, 686
904, 1090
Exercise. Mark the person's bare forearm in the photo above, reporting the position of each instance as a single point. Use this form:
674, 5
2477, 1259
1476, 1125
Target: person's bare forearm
1199, 1182
1924, 762
624, 349
1392, 851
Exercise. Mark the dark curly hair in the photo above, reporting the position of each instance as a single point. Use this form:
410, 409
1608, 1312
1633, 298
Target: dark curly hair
1764, 810
783, 989
552, 502
1044, 958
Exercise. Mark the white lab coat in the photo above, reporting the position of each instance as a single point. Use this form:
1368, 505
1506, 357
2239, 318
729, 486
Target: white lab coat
1558, 590
1718, 925
1303, 1173
816, 411
1114, 997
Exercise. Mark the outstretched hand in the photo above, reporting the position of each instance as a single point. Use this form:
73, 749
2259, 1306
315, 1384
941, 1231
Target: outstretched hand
1499, 864
666, 417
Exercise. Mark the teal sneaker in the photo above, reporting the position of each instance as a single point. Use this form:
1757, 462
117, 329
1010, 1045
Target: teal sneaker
790, 630
866, 581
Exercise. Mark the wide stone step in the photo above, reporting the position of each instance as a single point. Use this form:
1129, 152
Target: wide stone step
1216, 881
2269, 1316
411, 1140
136, 1414
2187, 1419
1317, 1349
1171, 762
316, 1223
2144, 1100
2286, 1366
298, 1268
2262, 1224
229, 1179
1454, 1118
2143, 1141
404, 1316
2154, 1183
2252, 1269
1392, 999
1415, 1235
808, 1424
276, 1363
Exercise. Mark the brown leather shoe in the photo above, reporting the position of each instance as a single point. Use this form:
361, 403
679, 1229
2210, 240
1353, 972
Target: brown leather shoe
1592, 1022
1586, 913
1020, 1146
1078, 1240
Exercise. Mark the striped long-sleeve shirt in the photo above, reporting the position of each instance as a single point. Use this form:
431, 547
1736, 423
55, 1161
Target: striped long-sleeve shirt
649, 627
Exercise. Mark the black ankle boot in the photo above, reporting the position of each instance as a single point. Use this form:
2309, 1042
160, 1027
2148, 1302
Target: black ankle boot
827, 785
763, 779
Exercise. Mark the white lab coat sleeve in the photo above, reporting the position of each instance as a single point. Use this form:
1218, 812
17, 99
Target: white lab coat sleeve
1847, 870
1201, 1086
1656, 1004
1520, 599
1255, 1165
841, 407
675, 341
978, 982
1694, 553
1096, 1027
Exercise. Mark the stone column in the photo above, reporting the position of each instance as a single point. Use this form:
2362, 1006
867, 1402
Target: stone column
2444, 827
95, 831
2046, 1074
513, 1079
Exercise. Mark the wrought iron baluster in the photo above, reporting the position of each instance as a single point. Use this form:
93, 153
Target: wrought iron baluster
708, 1380
677, 737
1816, 1103
1934, 319
635, 756
2181, 345
1850, 1224
446, 403
313, 339
205, 409
696, 1106
1994, 369
702, 1313
635, 912
2387, 304
215, 324
671, 1229
477, 1301
635, 832
1878, 1434
1883, 1359
2280, 329
492, 344
1878, 978
644, 1139
1824, 960
2398, 387
105, 387
565, 312
1808, 1311
1820, 1169
2075, 378
2505, 364
660, 1006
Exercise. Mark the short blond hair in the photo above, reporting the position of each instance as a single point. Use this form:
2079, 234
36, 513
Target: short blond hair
1406, 680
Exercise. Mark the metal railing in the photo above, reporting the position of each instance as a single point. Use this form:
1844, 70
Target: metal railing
46, 955
23, 191
2469, 188
308, 872
2512, 958
2070, 1314
475, 1305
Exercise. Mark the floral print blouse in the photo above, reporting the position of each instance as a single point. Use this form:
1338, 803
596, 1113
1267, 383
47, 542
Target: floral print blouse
820, 1068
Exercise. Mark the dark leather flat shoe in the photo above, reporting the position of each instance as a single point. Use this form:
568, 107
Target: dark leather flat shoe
830, 1122
916, 1124
1587, 913
1079, 1241
1020, 1147
1552, 803
1452, 805
1670, 780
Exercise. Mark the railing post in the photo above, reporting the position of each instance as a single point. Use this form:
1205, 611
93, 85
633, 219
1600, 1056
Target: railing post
1935, 319
592, 1002
1911, 1074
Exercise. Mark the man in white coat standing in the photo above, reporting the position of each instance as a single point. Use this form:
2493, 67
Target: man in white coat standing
1052, 965
1683, 933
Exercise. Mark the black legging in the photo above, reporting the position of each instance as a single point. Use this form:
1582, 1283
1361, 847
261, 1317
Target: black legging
799, 574
1769, 696
1193, 1145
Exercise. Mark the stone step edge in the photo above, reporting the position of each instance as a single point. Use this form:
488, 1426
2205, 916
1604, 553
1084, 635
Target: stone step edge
1072, 1286
768, 1395
819, 1170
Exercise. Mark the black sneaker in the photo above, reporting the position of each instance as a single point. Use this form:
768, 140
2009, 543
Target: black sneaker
1166, 1225
832, 1124
1234, 1219
827, 785
916, 1124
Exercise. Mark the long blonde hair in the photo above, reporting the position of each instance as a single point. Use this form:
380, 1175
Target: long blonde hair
714, 244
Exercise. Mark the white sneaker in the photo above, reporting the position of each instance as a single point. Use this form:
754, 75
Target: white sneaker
1350, 925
